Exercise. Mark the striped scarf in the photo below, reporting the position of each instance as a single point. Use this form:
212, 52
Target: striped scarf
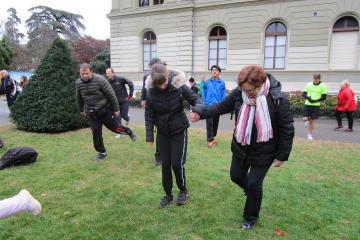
258, 108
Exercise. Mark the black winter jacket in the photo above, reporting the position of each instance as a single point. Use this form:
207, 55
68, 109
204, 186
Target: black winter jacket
118, 84
164, 108
263, 153
95, 93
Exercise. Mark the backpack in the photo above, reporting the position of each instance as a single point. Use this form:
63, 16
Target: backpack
18, 156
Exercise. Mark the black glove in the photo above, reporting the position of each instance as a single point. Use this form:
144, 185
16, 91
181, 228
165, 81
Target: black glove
312, 101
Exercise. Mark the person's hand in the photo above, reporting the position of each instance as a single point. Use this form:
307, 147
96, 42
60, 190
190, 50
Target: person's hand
311, 100
143, 103
194, 116
150, 144
117, 114
129, 98
83, 114
277, 163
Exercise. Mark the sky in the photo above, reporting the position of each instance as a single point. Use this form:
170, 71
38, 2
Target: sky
94, 13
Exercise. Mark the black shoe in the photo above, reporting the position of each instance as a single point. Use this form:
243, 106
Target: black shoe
166, 200
99, 156
157, 161
132, 134
247, 225
182, 198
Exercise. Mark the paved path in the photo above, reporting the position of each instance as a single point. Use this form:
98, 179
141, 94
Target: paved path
324, 129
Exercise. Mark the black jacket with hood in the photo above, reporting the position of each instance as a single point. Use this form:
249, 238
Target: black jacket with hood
118, 84
263, 153
164, 108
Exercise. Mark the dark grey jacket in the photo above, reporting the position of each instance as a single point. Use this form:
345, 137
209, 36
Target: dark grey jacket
263, 153
95, 93
118, 84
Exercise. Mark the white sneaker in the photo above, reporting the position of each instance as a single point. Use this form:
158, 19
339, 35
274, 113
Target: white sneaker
33, 205
310, 137
306, 123
126, 123
119, 135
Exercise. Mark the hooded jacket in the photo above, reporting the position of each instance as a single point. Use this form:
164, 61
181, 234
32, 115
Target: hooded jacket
164, 107
345, 100
263, 153
118, 84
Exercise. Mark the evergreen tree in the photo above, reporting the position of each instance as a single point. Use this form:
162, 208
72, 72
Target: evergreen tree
101, 62
48, 102
5, 55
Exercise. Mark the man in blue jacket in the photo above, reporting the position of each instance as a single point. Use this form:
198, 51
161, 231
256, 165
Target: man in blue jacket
213, 91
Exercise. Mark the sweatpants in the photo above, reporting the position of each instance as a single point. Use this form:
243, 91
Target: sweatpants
173, 156
13, 205
124, 110
250, 178
111, 123
212, 125
349, 116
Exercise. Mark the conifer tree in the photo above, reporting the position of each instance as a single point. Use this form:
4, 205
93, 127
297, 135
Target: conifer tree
48, 102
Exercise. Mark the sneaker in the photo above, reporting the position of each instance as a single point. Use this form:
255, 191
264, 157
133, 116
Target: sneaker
338, 127
310, 137
348, 130
247, 225
166, 200
182, 198
119, 135
212, 143
33, 205
99, 156
132, 134
306, 123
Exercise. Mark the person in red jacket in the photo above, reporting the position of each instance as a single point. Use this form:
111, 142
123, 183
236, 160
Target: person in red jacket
345, 104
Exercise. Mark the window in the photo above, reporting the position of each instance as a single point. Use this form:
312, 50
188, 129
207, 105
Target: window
344, 52
157, 2
275, 46
346, 24
217, 47
149, 42
143, 3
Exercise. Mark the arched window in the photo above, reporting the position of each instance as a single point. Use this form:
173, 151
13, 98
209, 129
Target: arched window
217, 47
344, 52
149, 42
275, 46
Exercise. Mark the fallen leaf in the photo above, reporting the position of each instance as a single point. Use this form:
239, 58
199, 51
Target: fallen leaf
279, 232
44, 195
66, 213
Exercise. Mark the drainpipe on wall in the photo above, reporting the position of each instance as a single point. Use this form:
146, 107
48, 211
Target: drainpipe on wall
193, 39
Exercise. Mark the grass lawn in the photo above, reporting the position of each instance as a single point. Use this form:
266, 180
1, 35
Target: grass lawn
316, 195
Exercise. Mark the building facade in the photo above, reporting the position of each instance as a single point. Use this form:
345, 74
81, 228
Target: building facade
292, 39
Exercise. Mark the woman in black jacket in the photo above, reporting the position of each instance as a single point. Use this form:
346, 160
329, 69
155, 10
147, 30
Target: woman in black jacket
263, 134
166, 91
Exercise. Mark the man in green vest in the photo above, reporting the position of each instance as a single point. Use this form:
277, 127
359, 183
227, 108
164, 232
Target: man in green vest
314, 93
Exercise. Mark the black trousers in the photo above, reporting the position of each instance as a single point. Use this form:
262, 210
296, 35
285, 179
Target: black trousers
113, 124
124, 110
212, 125
173, 156
250, 178
349, 116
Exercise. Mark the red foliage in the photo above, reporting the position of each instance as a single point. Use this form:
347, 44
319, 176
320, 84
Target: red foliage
86, 48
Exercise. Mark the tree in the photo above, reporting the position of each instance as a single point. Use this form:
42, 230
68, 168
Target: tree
48, 102
12, 35
86, 48
5, 55
61, 22
101, 62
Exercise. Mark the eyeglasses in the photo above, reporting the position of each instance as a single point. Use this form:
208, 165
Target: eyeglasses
249, 90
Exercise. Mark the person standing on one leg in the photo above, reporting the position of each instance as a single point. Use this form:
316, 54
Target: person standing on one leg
165, 110
263, 135
213, 92
118, 84
345, 104
314, 93
97, 99
143, 104
21, 202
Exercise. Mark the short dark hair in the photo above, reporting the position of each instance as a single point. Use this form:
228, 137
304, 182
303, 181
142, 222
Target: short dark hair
158, 74
317, 76
217, 67
154, 61
85, 66
191, 79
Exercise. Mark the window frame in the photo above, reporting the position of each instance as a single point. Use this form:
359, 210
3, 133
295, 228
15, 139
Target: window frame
275, 34
151, 42
217, 38
346, 29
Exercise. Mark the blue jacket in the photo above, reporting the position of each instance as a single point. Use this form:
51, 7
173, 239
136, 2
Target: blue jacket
213, 91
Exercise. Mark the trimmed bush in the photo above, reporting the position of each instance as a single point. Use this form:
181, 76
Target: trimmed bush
48, 102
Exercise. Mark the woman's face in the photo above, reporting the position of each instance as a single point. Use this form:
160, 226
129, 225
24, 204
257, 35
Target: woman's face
250, 90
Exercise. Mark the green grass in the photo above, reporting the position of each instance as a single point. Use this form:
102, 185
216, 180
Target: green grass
316, 195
